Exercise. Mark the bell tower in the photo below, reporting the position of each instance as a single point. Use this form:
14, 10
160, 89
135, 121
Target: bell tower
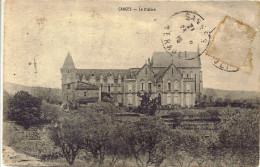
68, 73
68, 70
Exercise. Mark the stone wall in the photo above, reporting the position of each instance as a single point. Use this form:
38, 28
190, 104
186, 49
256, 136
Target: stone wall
34, 141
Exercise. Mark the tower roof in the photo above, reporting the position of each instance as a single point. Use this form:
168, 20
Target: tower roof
68, 63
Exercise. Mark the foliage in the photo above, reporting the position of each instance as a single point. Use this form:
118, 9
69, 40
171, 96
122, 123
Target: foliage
239, 128
148, 105
68, 135
148, 139
25, 109
49, 112
6, 109
52, 96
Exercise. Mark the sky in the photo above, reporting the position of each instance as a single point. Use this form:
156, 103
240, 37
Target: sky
98, 35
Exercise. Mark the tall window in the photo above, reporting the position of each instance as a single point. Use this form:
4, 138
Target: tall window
172, 71
150, 86
112, 88
188, 87
191, 74
176, 85
129, 87
142, 86
68, 86
85, 94
119, 80
145, 71
176, 99
101, 87
187, 75
169, 98
169, 85
108, 88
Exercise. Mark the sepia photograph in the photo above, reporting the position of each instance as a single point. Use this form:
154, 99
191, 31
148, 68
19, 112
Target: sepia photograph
130, 83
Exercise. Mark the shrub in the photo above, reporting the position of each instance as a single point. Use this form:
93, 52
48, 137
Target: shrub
25, 109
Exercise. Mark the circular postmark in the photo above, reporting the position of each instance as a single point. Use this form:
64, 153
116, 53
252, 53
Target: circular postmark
185, 35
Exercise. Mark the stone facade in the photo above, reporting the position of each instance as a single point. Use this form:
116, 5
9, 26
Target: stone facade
173, 80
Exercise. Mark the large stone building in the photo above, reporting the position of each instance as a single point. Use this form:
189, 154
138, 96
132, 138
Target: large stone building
172, 80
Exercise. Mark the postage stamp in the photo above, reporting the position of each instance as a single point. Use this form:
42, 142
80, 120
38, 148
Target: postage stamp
185, 31
230, 46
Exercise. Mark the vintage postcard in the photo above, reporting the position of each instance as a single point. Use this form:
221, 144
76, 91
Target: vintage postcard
131, 83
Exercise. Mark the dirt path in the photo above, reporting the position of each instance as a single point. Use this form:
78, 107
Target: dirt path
11, 157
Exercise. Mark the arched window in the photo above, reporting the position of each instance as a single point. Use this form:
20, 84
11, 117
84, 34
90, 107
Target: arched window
169, 85
149, 86
176, 85
142, 86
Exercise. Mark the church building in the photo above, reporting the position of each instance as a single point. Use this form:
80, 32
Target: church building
172, 80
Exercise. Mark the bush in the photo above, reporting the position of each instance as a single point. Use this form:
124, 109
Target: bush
25, 109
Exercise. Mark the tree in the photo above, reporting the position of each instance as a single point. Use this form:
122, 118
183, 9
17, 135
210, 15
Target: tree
68, 134
49, 112
219, 102
227, 100
239, 135
147, 139
50, 95
25, 109
211, 94
147, 105
115, 146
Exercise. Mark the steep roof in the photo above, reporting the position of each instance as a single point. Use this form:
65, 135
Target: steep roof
103, 72
163, 71
164, 59
86, 86
68, 63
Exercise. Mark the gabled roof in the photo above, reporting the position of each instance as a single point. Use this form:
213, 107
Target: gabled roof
143, 68
164, 59
86, 86
103, 72
68, 63
162, 72
157, 70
